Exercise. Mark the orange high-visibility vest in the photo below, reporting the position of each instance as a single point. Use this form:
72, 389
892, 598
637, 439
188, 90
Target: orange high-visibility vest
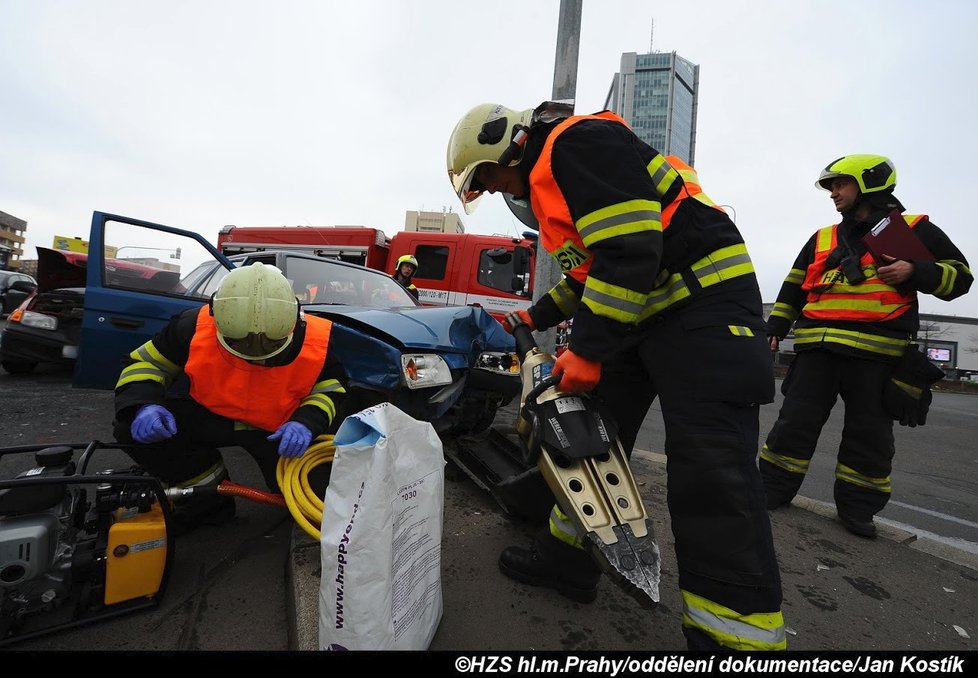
264, 397
830, 297
553, 214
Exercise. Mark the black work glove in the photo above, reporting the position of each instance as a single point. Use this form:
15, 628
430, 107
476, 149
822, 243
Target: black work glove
907, 395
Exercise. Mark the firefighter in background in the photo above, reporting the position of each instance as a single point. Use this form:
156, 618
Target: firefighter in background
250, 369
603, 200
407, 266
854, 319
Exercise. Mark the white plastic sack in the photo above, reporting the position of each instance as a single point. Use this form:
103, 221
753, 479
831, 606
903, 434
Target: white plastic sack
381, 534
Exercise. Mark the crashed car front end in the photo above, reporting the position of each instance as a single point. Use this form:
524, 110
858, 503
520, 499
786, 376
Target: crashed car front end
451, 366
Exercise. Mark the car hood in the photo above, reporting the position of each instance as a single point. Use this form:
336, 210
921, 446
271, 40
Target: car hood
57, 269
452, 329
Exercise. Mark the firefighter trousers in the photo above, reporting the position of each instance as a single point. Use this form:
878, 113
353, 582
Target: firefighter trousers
814, 381
710, 368
193, 452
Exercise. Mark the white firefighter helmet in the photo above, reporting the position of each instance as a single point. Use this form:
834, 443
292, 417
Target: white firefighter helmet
255, 311
484, 134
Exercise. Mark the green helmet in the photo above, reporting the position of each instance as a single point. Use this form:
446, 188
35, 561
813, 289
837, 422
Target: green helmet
407, 259
484, 134
873, 173
255, 311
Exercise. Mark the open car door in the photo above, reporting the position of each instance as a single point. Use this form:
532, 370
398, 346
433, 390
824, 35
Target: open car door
140, 275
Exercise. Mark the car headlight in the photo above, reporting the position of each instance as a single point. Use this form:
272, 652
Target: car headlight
504, 363
422, 370
38, 320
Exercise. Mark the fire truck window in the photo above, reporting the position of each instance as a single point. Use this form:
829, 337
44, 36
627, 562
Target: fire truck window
496, 270
432, 261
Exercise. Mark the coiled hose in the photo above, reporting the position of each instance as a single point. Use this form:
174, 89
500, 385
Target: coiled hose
293, 479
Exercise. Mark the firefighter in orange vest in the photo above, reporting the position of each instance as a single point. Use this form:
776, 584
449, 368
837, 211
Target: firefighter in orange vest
665, 303
249, 369
854, 320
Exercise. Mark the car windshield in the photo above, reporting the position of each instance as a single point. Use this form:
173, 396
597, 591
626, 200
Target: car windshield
324, 281
315, 280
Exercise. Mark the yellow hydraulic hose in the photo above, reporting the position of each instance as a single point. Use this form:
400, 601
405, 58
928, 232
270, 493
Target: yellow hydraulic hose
293, 479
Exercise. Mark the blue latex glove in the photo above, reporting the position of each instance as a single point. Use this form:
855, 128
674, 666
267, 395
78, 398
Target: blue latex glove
295, 439
153, 424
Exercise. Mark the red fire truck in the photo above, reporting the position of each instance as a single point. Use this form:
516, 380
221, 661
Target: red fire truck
454, 269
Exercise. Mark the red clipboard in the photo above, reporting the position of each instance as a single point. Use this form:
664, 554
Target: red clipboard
893, 237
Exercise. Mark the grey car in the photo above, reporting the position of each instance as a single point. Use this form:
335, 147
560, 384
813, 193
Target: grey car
12, 294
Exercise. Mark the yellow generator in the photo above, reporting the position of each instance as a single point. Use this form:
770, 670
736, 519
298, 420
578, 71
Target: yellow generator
75, 546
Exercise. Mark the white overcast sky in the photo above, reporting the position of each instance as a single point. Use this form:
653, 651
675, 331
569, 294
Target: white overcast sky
298, 112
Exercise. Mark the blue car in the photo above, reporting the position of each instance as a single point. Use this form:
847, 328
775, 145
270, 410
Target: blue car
450, 366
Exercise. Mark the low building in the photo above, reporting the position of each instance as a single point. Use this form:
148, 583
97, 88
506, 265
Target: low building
11, 241
445, 221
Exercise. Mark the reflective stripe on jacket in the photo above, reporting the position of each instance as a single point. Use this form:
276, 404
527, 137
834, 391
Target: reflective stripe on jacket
264, 397
569, 242
831, 297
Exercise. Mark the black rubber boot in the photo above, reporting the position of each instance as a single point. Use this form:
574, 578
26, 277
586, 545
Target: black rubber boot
213, 509
859, 526
553, 564
204, 507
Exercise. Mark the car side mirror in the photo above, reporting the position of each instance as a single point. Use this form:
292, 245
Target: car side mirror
521, 260
23, 286
500, 255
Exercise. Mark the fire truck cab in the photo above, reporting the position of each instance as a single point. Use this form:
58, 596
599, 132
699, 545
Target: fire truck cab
454, 269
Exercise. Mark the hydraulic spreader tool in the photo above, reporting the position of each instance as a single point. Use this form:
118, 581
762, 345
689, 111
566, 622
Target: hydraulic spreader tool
574, 442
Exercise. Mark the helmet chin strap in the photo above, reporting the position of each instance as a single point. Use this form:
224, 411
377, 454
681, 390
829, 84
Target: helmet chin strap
515, 147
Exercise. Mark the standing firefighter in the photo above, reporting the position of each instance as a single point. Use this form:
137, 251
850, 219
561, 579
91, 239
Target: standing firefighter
665, 303
854, 318
407, 266
249, 369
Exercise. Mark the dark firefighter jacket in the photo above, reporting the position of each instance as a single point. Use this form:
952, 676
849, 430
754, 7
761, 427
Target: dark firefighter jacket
406, 284
868, 319
632, 241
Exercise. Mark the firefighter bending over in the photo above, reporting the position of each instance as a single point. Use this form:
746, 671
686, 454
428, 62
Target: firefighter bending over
676, 317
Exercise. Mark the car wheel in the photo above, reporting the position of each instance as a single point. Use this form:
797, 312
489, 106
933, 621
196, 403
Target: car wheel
17, 368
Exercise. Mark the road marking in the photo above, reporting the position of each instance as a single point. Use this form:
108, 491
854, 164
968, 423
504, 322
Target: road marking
962, 544
936, 514
651, 456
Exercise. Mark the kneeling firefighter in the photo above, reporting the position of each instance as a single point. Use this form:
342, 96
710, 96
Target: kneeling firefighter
678, 317
249, 369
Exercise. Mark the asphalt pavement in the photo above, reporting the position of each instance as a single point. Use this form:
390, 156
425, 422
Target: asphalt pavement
898, 592
253, 585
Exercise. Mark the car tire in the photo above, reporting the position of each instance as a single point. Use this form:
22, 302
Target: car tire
17, 368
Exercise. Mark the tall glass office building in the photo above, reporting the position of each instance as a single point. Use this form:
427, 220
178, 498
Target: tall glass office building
656, 93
